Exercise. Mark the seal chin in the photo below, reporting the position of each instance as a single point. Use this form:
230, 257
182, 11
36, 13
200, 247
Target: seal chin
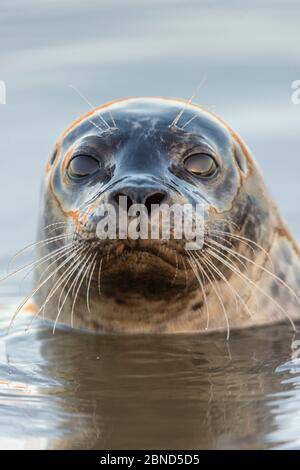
152, 269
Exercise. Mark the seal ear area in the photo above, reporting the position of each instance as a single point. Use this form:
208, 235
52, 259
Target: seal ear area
240, 159
52, 159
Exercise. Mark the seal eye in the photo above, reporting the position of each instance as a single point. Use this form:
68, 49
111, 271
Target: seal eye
200, 164
83, 165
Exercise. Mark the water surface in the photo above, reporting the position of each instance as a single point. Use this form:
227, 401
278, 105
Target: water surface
77, 390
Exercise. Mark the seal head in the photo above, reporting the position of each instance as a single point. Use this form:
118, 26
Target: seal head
154, 152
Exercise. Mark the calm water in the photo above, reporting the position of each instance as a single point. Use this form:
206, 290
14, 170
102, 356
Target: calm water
76, 390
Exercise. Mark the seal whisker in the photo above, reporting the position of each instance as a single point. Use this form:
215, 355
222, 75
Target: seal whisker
99, 276
176, 269
234, 269
79, 272
265, 270
187, 103
45, 227
36, 289
209, 264
101, 118
60, 306
95, 125
78, 287
185, 273
54, 289
46, 241
112, 119
213, 252
229, 240
55, 256
74, 279
225, 248
56, 226
217, 294
189, 121
221, 252
76, 263
216, 290
87, 273
99, 193
178, 116
248, 242
65, 251
232, 289
35, 262
63, 276
89, 282
201, 284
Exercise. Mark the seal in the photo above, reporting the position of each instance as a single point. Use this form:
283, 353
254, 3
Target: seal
156, 151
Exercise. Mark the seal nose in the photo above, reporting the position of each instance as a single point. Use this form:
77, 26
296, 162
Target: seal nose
140, 196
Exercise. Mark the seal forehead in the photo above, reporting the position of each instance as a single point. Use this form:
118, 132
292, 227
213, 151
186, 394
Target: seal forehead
148, 115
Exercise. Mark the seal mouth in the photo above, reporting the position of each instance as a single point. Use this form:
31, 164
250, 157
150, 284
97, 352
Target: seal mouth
170, 254
150, 268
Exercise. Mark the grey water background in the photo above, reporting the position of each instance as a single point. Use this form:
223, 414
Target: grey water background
74, 390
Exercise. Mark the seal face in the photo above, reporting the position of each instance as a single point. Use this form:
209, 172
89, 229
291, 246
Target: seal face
156, 151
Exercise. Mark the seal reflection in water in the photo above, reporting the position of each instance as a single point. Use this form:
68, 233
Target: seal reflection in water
154, 151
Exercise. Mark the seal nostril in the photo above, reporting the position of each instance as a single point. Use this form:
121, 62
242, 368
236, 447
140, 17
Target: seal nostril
128, 199
155, 198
